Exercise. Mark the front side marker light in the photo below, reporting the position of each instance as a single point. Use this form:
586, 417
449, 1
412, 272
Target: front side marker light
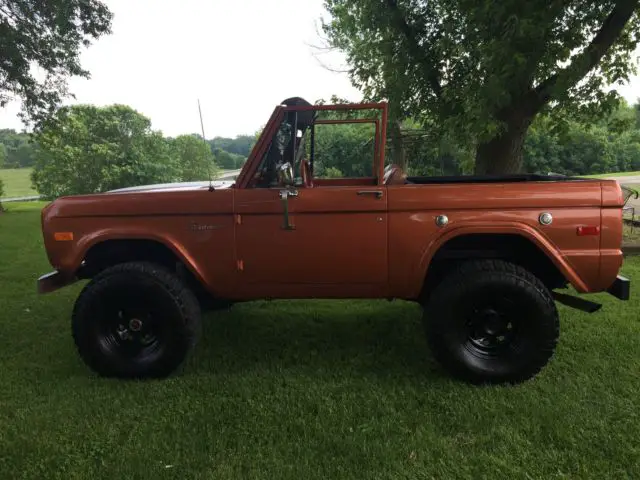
63, 236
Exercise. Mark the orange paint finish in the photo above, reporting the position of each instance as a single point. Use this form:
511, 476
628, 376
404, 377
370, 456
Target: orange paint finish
349, 240
579, 264
334, 229
610, 247
496, 208
611, 194
204, 226
342, 238
506, 196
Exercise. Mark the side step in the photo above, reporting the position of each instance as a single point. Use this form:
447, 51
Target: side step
576, 302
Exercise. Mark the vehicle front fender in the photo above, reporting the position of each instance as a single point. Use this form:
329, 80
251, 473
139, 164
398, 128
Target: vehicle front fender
72, 263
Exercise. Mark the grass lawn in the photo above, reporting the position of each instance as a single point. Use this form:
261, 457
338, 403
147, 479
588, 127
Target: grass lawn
305, 390
17, 182
614, 174
631, 235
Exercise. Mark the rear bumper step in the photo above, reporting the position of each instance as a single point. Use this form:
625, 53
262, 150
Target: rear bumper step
576, 302
620, 288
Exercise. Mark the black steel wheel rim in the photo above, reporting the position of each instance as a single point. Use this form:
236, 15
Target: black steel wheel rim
133, 323
494, 323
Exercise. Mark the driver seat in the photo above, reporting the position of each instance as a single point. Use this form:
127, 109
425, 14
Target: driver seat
394, 175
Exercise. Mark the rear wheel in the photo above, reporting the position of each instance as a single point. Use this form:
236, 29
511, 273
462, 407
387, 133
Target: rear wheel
135, 320
491, 321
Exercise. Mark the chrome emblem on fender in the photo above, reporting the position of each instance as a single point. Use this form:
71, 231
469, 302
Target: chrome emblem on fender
545, 218
442, 220
200, 227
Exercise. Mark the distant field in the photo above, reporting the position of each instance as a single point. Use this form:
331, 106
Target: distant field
17, 182
614, 174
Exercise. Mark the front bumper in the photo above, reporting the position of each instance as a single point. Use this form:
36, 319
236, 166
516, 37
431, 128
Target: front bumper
53, 281
620, 288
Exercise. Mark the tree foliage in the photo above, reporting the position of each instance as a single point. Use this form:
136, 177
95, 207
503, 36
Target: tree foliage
240, 145
87, 149
17, 149
227, 160
47, 34
194, 157
610, 145
344, 150
482, 71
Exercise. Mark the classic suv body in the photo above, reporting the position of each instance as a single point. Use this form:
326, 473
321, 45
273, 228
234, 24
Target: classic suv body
482, 255
344, 243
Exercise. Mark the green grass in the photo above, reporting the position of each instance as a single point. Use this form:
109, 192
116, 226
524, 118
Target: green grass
17, 182
631, 235
306, 390
614, 174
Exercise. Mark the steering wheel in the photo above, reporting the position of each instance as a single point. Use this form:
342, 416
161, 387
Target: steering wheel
305, 173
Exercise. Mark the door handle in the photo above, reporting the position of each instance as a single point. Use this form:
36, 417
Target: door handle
284, 197
377, 193
288, 193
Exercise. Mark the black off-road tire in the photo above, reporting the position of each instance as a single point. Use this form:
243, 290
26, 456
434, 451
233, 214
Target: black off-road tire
135, 320
490, 321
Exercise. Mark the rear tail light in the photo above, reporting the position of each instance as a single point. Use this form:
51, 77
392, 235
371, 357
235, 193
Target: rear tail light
588, 230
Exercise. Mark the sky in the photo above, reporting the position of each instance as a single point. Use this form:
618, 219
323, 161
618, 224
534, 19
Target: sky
240, 58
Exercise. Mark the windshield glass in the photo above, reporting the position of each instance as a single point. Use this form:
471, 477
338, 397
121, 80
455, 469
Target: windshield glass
282, 150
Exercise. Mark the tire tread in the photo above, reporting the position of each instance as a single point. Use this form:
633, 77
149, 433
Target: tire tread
183, 297
460, 281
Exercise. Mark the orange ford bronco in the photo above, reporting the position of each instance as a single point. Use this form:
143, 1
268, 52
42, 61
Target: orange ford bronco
484, 255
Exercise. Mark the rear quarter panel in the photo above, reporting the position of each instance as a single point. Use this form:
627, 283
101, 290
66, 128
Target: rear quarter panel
507, 208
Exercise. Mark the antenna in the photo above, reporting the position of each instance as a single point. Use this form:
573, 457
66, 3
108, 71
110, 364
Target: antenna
204, 139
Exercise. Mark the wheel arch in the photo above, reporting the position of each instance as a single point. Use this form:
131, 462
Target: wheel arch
520, 244
107, 249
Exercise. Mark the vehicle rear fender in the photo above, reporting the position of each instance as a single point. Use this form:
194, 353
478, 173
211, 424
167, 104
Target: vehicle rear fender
508, 228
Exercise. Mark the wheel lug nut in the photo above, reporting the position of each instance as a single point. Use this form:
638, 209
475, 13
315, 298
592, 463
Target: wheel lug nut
135, 324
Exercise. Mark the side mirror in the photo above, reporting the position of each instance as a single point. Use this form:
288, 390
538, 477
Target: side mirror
285, 174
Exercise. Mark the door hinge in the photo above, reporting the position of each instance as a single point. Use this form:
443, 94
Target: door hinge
238, 219
240, 265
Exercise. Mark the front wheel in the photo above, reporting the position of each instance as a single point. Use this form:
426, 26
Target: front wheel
135, 320
491, 321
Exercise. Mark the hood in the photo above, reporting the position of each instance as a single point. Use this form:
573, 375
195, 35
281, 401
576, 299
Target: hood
180, 198
175, 187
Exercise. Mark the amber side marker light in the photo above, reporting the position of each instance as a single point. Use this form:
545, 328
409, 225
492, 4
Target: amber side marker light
63, 236
588, 230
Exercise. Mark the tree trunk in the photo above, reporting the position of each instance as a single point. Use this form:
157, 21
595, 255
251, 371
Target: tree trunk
503, 154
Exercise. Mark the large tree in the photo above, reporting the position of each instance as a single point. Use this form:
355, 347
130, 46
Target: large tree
482, 70
88, 149
194, 157
47, 35
19, 149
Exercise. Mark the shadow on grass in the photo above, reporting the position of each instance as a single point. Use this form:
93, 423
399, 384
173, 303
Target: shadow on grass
321, 337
